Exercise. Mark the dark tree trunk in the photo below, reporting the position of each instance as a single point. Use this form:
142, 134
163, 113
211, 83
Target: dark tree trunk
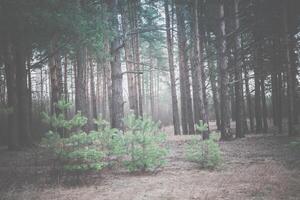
12, 98
117, 103
131, 78
196, 65
92, 93
55, 75
213, 80
185, 93
290, 70
80, 84
170, 42
264, 106
249, 99
239, 97
223, 74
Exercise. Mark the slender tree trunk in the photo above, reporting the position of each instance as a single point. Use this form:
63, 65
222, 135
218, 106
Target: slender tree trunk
198, 102
170, 42
117, 103
81, 84
258, 60
151, 83
264, 106
239, 97
30, 110
55, 75
223, 74
213, 80
131, 78
12, 98
249, 99
290, 69
258, 116
201, 45
93, 94
185, 93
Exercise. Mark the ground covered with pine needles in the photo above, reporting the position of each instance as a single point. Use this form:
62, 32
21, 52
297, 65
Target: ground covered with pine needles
255, 167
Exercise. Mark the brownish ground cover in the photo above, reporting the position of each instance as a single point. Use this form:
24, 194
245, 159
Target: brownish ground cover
256, 167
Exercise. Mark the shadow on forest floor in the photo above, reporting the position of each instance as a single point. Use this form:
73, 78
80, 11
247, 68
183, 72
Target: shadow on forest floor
255, 167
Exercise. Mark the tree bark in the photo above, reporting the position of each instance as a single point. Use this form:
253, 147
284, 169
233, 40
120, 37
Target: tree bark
290, 70
185, 93
223, 74
196, 63
81, 84
117, 103
170, 42
239, 97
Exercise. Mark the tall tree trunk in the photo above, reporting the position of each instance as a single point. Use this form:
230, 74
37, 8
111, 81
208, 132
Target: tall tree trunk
12, 98
264, 106
66, 92
290, 70
93, 94
257, 82
151, 82
239, 97
117, 103
223, 74
55, 76
258, 60
170, 42
249, 99
198, 102
23, 95
200, 11
131, 78
29, 94
213, 79
185, 93
81, 84
133, 19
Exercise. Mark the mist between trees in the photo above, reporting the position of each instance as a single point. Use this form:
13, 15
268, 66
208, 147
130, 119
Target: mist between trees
179, 62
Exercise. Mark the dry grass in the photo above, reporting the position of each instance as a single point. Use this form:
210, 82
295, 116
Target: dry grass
257, 167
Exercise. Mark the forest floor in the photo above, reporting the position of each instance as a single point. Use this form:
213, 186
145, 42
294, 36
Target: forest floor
255, 167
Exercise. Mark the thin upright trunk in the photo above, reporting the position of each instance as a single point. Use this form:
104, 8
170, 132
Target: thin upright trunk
264, 106
12, 98
239, 97
92, 93
223, 74
185, 93
117, 103
213, 80
81, 84
170, 42
55, 75
290, 70
249, 99
198, 102
131, 78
